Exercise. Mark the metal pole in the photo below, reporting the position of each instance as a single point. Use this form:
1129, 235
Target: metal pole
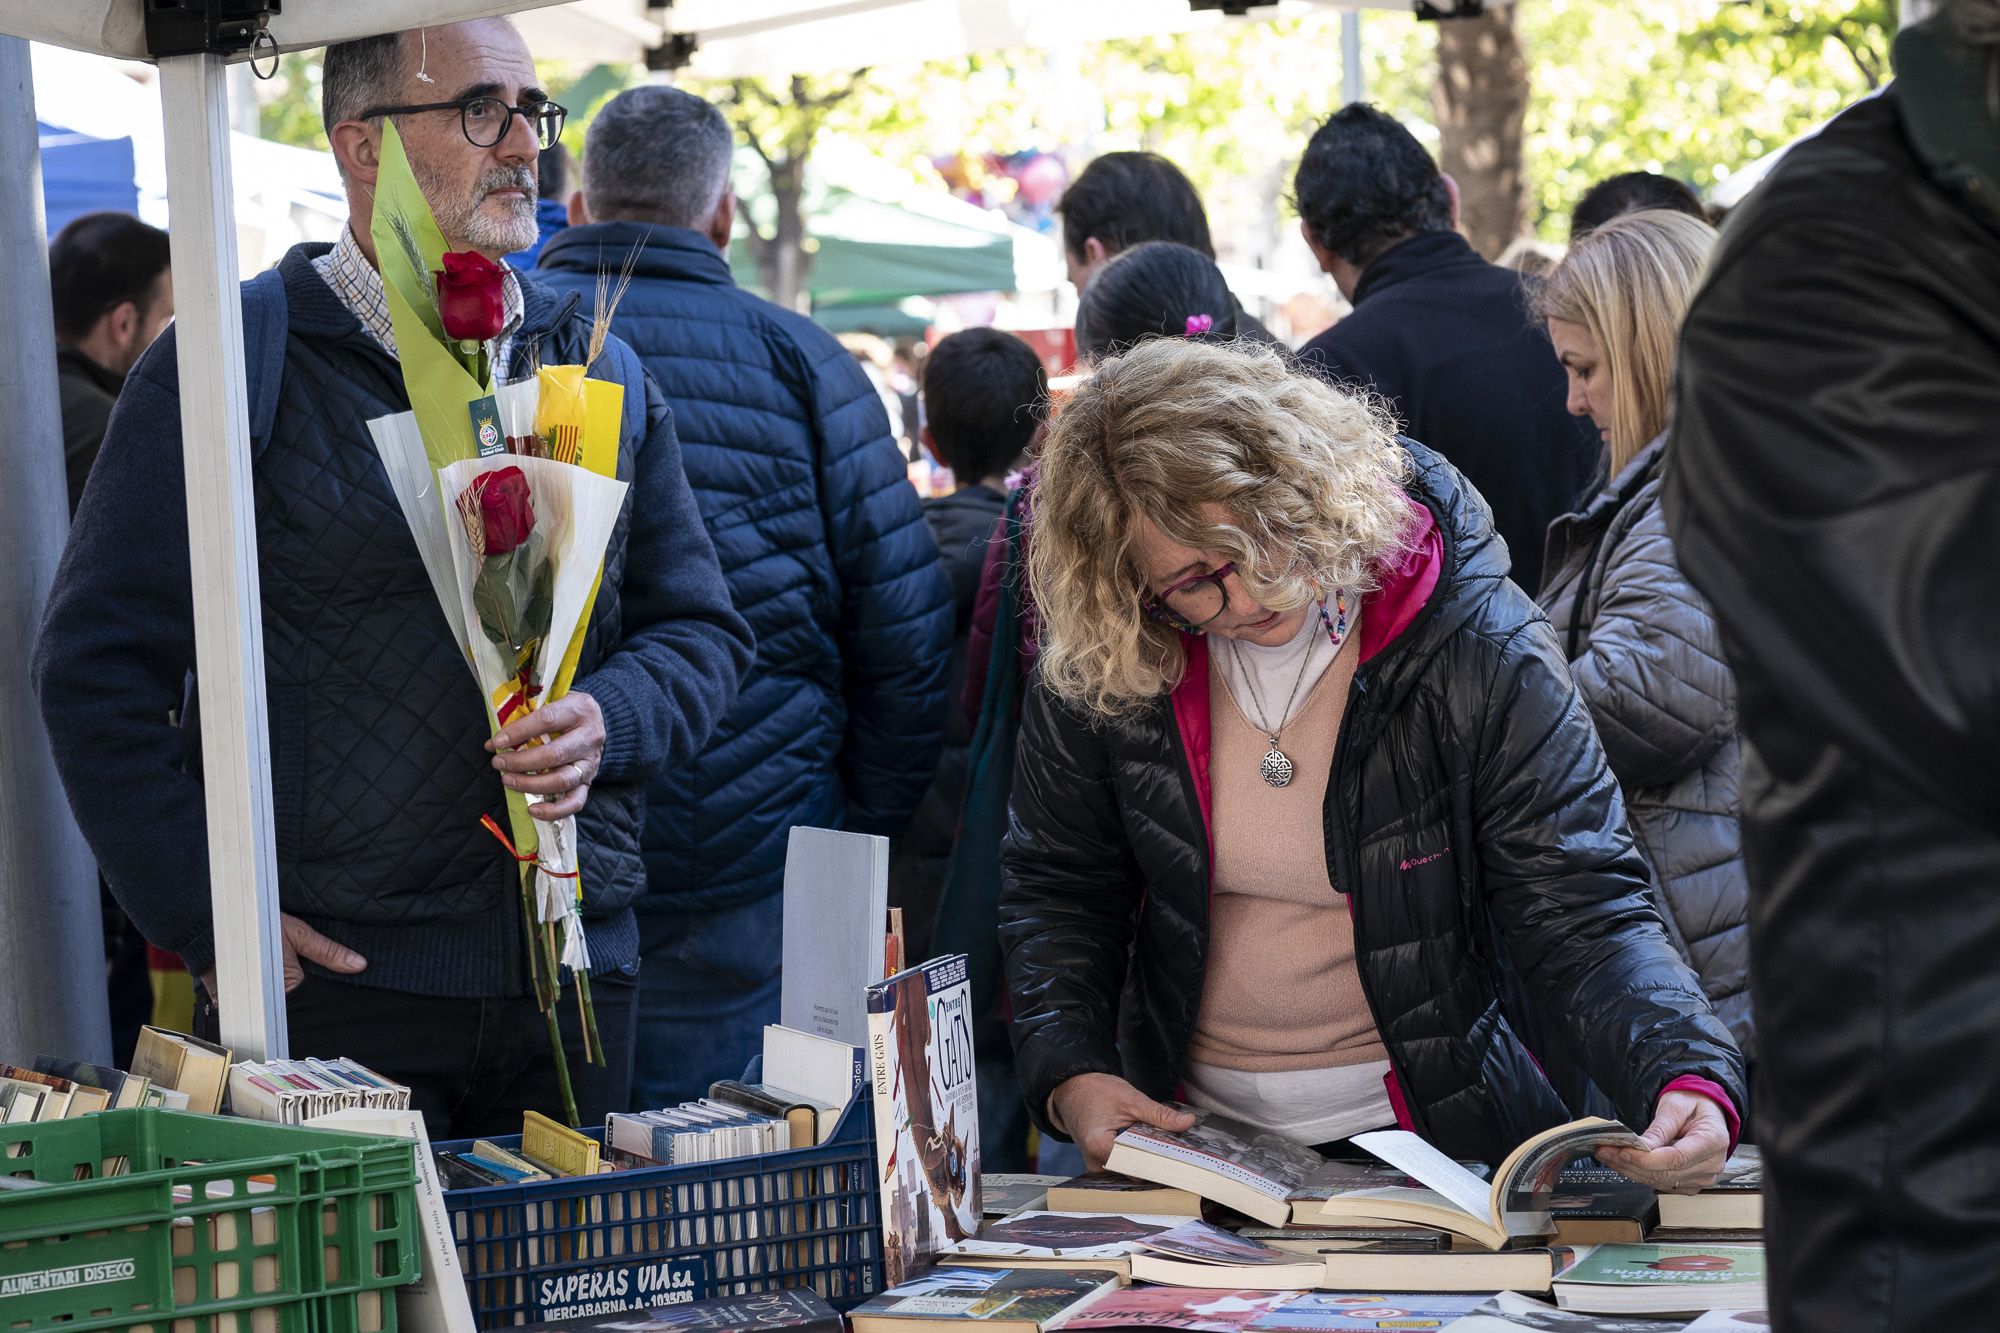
222, 543
1353, 86
52, 997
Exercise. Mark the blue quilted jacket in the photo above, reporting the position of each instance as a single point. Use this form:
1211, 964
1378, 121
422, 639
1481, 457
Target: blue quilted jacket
826, 553
378, 775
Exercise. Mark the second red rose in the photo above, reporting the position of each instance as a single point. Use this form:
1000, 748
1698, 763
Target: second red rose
505, 507
469, 293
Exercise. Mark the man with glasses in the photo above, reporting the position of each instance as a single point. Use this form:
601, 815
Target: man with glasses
402, 919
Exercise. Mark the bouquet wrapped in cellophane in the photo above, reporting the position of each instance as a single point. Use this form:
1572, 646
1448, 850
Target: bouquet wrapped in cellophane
511, 491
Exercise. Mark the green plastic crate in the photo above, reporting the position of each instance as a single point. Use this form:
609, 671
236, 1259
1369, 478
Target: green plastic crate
219, 1226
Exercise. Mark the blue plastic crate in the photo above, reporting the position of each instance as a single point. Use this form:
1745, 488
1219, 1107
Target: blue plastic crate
551, 1249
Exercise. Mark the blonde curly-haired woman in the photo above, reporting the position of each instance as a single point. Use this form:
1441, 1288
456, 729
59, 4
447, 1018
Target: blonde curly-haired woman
1302, 778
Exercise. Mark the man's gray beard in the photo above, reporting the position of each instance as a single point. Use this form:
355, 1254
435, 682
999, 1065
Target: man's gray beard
464, 225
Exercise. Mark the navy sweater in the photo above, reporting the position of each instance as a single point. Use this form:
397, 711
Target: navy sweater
825, 550
1448, 339
378, 774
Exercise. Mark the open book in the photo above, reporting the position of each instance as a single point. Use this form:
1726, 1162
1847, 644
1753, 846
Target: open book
1515, 1204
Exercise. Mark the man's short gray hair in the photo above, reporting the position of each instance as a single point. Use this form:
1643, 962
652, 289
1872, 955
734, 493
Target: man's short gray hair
657, 154
354, 76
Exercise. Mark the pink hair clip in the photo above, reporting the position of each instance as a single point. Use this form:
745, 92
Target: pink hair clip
1198, 324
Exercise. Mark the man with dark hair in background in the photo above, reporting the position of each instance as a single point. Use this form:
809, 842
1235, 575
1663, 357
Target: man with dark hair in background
1440, 333
113, 291
1833, 486
824, 548
1121, 199
112, 287
1630, 192
403, 938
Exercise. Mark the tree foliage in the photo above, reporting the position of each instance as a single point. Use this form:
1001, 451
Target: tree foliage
1693, 88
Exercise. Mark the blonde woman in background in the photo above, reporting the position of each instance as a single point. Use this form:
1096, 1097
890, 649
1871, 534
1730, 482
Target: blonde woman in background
1302, 782
1641, 642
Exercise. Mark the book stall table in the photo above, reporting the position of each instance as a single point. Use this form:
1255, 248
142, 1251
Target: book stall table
580, 1245
153, 1221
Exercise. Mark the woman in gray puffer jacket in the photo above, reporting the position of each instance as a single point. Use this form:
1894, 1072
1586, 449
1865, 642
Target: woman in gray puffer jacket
1641, 642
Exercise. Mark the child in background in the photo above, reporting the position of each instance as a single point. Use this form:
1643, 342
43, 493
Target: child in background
985, 400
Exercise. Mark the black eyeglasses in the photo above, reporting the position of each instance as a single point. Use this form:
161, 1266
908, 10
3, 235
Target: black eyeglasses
486, 120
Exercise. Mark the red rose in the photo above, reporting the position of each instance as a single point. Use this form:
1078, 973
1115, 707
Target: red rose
470, 304
504, 508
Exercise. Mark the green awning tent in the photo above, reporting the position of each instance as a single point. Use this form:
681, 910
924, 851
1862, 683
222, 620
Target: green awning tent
879, 243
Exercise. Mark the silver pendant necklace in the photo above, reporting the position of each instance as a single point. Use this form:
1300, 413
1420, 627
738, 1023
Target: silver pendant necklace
1276, 770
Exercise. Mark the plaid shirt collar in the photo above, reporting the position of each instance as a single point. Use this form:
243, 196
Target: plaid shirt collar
359, 286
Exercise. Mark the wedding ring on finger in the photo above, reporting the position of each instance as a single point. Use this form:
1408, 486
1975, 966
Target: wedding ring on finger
580, 776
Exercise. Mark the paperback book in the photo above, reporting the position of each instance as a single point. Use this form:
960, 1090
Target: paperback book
1510, 1311
1336, 1311
1108, 1191
1104, 1241
926, 1106
1735, 1202
1595, 1205
1515, 1204
1664, 1279
1337, 1176
834, 938
1195, 1309
1196, 1254
1004, 1195
1446, 1270
1237, 1165
944, 1300
1336, 1240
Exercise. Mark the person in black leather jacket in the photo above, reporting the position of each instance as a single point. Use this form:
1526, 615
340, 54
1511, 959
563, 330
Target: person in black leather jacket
1465, 799
1833, 485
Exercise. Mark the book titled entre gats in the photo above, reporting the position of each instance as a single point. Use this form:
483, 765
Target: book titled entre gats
926, 1112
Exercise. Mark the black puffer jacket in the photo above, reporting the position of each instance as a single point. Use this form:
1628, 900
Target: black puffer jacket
1469, 790
1834, 488
1647, 658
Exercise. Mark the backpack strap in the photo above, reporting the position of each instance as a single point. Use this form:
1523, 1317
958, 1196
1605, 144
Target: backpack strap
266, 318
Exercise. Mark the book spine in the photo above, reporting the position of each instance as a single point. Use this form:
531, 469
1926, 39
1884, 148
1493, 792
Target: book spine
882, 1077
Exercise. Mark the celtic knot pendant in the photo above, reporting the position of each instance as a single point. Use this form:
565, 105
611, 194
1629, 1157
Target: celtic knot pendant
1276, 770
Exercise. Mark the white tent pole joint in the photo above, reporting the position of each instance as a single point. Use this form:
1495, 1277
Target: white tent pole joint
222, 547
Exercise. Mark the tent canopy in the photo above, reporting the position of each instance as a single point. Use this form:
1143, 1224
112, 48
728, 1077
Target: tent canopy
82, 174
761, 38
876, 253
732, 37
882, 237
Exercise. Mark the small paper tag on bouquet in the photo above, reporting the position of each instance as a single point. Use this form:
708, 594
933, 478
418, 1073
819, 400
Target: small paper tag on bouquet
486, 432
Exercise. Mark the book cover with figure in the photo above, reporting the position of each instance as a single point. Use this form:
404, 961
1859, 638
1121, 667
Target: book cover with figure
926, 1112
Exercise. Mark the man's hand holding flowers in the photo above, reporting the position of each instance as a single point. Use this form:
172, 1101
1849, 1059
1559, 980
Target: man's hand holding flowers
562, 769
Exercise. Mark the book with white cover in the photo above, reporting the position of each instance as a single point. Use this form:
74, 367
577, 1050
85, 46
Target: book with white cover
817, 1068
436, 1302
835, 934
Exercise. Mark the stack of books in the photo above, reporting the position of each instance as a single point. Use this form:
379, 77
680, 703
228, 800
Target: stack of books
547, 1151
708, 1130
196, 1069
170, 1070
291, 1092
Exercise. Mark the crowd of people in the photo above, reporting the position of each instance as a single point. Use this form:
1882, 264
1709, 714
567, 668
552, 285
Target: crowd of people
1422, 727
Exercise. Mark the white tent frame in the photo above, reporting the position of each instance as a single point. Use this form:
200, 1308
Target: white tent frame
215, 432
